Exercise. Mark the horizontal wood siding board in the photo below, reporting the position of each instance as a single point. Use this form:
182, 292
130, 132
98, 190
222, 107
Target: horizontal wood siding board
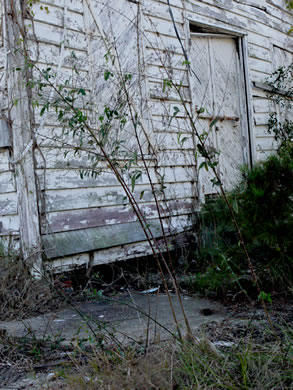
175, 158
94, 217
4, 160
262, 66
174, 3
54, 16
259, 52
8, 204
7, 183
70, 178
73, 5
162, 42
157, 9
265, 143
102, 256
159, 57
82, 198
163, 27
54, 35
86, 240
261, 119
166, 125
9, 224
240, 15
49, 53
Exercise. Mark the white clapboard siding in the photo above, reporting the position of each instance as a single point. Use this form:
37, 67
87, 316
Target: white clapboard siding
245, 14
73, 5
74, 199
55, 35
163, 27
169, 108
259, 52
58, 179
260, 65
166, 124
261, 119
75, 34
177, 158
158, 91
8, 204
161, 73
9, 225
158, 9
94, 217
54, 16
7, 183
162, 42
160, 57
49, 54
4, 160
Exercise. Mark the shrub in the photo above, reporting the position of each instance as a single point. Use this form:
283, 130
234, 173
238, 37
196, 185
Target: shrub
263, 203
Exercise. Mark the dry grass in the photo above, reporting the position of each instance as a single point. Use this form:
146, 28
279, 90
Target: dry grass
22, 296
246, 365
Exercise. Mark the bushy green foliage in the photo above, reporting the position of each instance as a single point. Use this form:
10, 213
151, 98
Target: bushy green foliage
263, 204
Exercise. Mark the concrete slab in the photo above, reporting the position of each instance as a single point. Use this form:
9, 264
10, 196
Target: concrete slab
127, 316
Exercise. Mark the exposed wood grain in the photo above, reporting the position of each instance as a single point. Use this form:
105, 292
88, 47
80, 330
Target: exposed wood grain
9, 224
74, 203
7, 183
27, 203
94, 217
98, 197
86, 240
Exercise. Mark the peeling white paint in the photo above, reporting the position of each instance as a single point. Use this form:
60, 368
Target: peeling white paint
80, 27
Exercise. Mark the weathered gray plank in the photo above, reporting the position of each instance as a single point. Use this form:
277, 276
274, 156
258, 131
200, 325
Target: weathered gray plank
7, 183
69, 243
74, 5
4, 159
97, 197
265, 143
157, 9
94, 217
4, 134
8, 204
21, 120
9, 224
55, 16
54, 35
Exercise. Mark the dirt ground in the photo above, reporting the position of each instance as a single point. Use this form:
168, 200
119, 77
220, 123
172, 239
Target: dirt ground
36, 363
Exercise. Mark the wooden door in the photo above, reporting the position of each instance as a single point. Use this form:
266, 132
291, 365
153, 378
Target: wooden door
217, 87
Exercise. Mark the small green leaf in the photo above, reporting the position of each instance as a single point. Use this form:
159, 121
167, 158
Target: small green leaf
235, 205
200, 110
265, 297
107, 75
213, 122
81, 91
204, 165
167, 83
176, 110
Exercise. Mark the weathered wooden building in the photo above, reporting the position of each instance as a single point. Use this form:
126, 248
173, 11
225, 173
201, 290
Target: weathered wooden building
177, 57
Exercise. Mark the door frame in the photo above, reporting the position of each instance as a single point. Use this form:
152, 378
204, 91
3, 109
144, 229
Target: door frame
209, 29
